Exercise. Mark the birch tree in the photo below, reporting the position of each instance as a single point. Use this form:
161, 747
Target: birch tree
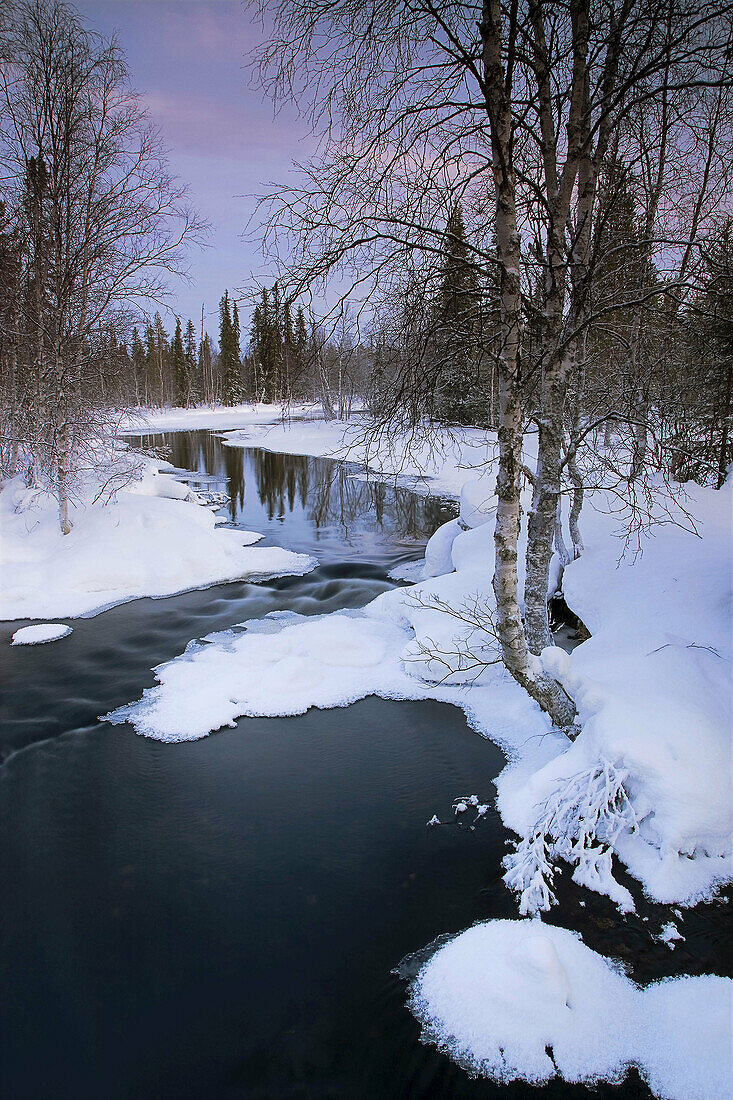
508, 109
102, 221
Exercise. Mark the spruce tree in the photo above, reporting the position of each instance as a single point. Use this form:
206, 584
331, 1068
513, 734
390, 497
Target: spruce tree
138, 367
301, 346
190, 356
456, 313
162, 358
229, 355
178, 363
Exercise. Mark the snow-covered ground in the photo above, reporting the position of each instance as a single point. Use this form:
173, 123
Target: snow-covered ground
153, 538
648, 779
217, 418
520, 999
438, 463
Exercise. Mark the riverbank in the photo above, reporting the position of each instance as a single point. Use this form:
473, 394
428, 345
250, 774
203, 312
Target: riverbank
646, 790
435, 460
646, 782
137, 531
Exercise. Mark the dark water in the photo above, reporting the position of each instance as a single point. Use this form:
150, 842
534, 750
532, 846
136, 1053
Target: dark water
221, 918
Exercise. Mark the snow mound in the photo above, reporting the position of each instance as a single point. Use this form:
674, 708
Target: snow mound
40, 634
153, 539
522, 1000
653, 690
478, 501
282, 665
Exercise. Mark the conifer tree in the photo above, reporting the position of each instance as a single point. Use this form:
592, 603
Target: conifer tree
161, 358
206, 371
456, 320
190, 356
301, 345
229, 355
178, 363
138, 368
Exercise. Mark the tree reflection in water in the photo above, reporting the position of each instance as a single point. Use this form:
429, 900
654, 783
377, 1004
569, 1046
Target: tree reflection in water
327, 493
334, 496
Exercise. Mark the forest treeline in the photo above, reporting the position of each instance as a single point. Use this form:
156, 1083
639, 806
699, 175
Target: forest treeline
283, 359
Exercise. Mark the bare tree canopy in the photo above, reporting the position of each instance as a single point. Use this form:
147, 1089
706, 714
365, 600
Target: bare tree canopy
539, 119
95, 224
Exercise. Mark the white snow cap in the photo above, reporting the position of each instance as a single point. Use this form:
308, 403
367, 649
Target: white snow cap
40, 634
524, 1000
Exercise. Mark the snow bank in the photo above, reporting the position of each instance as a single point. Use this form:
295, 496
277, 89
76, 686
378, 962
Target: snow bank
281, 665
437, 459
40, 634
653, 689
153, 539
221, 417
523, 1000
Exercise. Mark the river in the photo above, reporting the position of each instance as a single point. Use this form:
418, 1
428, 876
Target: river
222, 918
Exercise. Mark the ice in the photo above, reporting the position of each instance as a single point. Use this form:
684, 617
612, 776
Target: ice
325, 661
40, 634
522, 1000
669, 934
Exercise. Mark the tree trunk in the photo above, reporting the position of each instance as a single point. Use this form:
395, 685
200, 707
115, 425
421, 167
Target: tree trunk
525, 669
723, 452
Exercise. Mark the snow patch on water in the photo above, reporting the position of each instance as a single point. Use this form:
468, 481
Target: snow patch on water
40, 634
520, 1000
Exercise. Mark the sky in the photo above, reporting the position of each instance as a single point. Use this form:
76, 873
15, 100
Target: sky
187, 59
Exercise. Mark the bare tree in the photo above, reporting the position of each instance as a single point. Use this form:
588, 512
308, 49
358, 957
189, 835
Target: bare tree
100, 218
510, 109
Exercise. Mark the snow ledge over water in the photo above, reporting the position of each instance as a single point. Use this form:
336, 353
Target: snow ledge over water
522, 1000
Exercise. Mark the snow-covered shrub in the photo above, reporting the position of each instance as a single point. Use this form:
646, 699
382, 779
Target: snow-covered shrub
579, 823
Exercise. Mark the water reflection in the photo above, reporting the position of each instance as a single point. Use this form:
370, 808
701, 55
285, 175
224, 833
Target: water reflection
326, 504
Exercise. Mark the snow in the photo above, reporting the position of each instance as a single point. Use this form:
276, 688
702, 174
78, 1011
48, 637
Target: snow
653, 689
40, 634
523, 1000
217, 417
153, 538
637, 784
279, 666
669, 934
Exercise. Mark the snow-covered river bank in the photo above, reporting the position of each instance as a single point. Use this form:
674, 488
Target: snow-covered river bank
270, 876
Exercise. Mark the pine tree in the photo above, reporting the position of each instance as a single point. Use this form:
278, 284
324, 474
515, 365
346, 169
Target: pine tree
152, 386
301, 346
229, 355
161, 359
178, 363
138, 368
456, 334
206, 371
190, 356
288, 353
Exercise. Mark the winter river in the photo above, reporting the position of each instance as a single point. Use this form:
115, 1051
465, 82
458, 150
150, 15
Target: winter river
222, 918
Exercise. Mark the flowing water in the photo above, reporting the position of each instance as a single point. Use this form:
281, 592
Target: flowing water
221, 918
